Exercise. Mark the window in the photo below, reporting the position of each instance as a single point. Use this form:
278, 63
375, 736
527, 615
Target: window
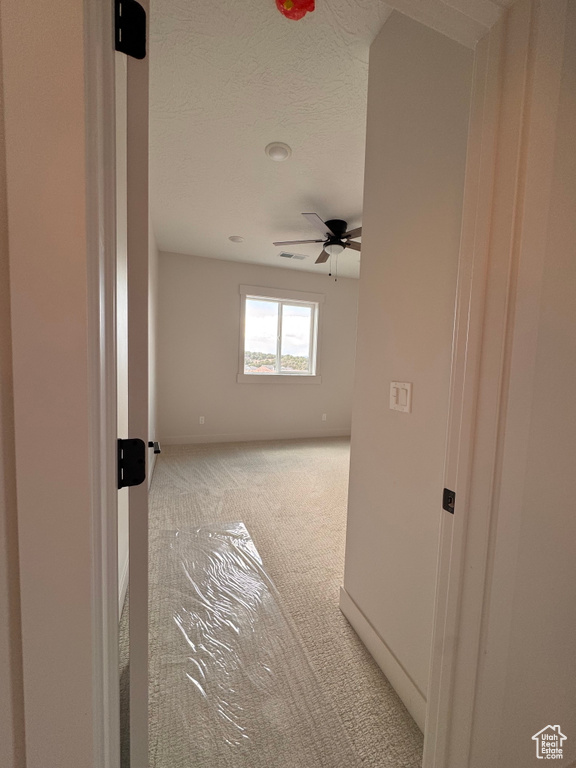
280, 334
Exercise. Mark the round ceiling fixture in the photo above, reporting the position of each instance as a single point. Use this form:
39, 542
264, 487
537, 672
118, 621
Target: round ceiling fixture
236, 239
278, 151
333, 249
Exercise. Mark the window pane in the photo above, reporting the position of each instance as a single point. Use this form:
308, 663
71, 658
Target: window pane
295, 347
261, 336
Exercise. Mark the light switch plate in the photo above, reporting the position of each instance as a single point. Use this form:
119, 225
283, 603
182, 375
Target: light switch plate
401, 396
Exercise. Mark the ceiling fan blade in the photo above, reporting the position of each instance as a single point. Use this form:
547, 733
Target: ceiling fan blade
324, 256
353, 233
317, 222
354, 246
297, 242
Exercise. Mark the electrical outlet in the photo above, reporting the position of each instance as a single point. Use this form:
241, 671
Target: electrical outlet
323, 417
201, 420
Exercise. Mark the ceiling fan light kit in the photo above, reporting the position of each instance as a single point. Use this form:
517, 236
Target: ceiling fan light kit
336, 237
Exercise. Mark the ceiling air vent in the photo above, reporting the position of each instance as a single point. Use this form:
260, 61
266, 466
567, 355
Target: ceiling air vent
296, 256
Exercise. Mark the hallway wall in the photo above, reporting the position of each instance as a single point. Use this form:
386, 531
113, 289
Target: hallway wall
418, 102
197, 357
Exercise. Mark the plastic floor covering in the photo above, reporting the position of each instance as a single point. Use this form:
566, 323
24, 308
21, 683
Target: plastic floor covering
234, 687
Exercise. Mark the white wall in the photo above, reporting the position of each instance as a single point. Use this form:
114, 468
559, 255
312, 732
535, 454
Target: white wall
197, 359
418, 102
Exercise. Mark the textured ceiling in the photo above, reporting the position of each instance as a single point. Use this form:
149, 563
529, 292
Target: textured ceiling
227, 78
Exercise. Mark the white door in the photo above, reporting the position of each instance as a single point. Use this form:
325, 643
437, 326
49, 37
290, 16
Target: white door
132, 240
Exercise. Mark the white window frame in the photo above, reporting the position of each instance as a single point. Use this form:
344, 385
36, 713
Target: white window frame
283, 297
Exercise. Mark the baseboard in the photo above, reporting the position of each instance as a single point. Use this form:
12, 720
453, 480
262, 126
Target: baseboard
252, 436
400, 680
123, 585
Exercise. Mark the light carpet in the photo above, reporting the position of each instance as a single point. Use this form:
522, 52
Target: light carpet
291, 496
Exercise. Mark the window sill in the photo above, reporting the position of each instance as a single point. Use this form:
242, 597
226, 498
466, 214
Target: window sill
251, 378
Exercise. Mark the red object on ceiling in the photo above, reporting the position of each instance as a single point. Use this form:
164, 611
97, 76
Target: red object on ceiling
295, 9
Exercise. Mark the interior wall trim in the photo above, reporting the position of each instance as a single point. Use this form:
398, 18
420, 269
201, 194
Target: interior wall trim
241, 437
413, 698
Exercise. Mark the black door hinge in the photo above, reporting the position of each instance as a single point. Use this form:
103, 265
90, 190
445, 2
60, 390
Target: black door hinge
131, 462
130, 28
448, 500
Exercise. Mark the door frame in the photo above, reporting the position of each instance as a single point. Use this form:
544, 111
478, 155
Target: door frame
464, 409
505, 223
138, 252
101, 233
100, 64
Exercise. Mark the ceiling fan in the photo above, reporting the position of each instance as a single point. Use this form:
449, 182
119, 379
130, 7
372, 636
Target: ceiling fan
335, 239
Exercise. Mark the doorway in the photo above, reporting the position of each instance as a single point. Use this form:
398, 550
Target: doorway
421, 276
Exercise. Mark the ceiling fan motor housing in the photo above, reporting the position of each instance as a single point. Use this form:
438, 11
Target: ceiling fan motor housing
338, 227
